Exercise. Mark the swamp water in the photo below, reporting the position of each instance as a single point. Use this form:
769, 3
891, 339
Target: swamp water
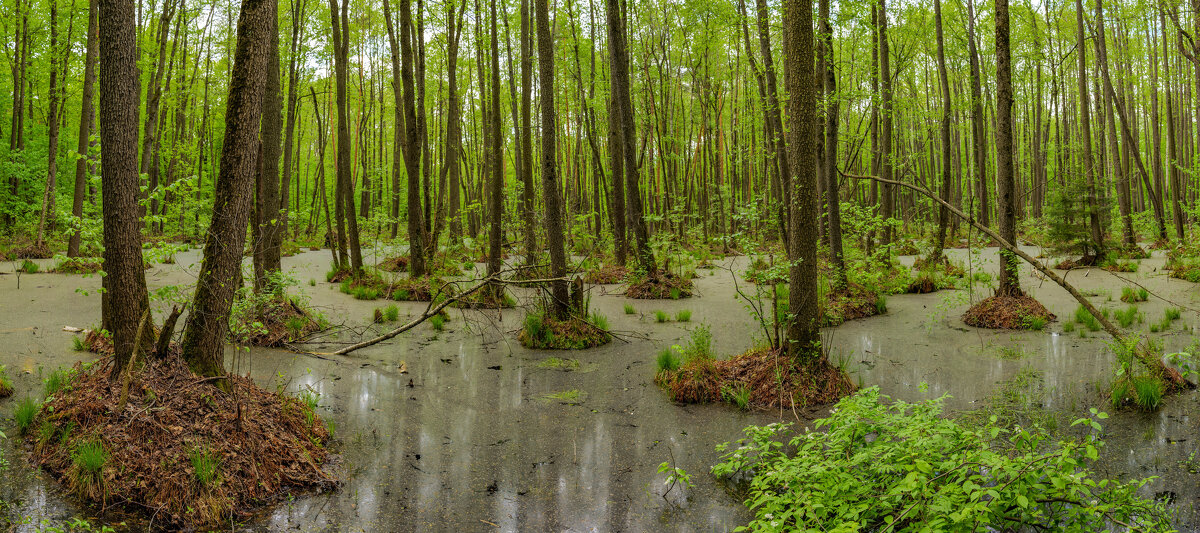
466, 430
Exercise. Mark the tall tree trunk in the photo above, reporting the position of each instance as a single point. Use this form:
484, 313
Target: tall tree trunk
495, 156
936, 251
619, 57
125, 298
978, 134
551, 190
832, 200
266, 212
49, 198
1085, 131
208, 323
885, 120
86, 123
289, 143
1010, 283
345, 183
525, 167
803, 332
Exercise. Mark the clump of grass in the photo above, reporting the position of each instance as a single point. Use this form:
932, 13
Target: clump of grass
699, 345
1148, 392
26, 411
1035, 323
738, 395
676, 293
1172, 314
89, 458
598, 320
1069, 327
1128, 316
1012, 352
206, 466
668, 360
569, 397
295, 326
309, 399
6, 388
391, 313
28, 267
629, 309
661, 316
58, 380
880, 303
1085, 318
77, 344
438, 322
557, 363
683, 315
1134, 295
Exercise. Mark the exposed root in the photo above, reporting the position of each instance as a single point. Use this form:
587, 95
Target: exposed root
663, 285
1006, 312
181, 449
773, 379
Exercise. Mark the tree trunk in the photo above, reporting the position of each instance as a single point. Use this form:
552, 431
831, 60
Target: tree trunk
86, 123
1085, 132
939, 242
551, 190
125, 298
208, 323
832, 200
1010, 283
345, 184
266, 212
528, 194
48, 199
978, 135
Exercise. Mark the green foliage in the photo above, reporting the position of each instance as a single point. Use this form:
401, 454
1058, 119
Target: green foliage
391, 313
1148, 392
683, 315
438, 322
77, 344
1134, 295
738, 394
58, 380
1172, 314
1067, 214
629, 310
557, 363
27, 409
668, 360
879, 465
89, 457
699, 346
1035, 323
28, 267
1129, 315
1068, 327
1085, 318
206, 466
661, 316
598, 320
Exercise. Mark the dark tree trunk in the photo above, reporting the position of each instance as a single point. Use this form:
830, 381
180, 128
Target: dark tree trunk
208, 323
526, 157
935, 254
345, 184
833, 207
266, 212
48, 199
1085, 132
125, 298
495, 156
803, 332
1010, 283
86, 123
978, 135
551, 190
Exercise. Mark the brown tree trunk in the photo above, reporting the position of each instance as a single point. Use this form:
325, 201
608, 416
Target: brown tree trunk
833, 206
935, 253
885, 124
345, 183
298, 12
550, 187
495, 155
125, 298
528, 195
86, 123
1085, 132
208, 324
804, 331
48, 199
1010, 283
266, 212
978, 134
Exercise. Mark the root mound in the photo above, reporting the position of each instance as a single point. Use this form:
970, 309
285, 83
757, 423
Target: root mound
419, 289
663, 285
1006, 312
544, 333
33, 251
772, 379
394, 264
282, 322
851, 304
180, 450
79, 265
606, 275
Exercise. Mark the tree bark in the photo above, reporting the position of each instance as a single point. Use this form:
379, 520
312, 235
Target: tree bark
86, 122
1010, 283
551, 190
208, 323
266, 212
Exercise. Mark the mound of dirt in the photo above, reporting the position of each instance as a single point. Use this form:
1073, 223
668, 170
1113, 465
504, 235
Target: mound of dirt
663, 285
1006, 312
32, 251
180, 449
282, 322
394, 264
772, 378
854, 303
606, 275
79, 265
545, 333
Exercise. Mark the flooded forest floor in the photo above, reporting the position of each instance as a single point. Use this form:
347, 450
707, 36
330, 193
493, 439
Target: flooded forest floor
464, 429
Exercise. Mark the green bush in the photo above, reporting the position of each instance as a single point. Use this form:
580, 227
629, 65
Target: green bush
28, 267
699, 345
391, 313
920, 471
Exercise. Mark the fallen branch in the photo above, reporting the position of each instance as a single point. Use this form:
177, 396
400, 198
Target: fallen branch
1171, 376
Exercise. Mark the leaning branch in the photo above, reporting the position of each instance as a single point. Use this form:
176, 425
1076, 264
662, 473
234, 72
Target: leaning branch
1170, 375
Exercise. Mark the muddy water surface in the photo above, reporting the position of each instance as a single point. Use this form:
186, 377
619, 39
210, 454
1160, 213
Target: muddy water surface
466, 430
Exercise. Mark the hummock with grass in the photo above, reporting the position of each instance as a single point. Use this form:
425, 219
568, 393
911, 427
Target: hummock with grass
662, 285
770, 377
179, 449
606, 275
1007, 312
541, 331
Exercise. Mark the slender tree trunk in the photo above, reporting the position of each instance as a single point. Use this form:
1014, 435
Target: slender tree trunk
208, 323
496, 159
1085, 131
978, 134
550, 186
936, 252
86, 123
345, 184
528, 195
49, 198
833, 202
885, 119
1010, 282
289, 143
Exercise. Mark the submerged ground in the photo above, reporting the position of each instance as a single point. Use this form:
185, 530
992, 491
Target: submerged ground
466, 430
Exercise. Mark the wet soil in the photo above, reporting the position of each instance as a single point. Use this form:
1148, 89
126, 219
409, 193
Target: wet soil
463, 430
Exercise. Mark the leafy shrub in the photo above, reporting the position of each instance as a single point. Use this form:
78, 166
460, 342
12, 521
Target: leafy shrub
881, 465
699, 346
28, 267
